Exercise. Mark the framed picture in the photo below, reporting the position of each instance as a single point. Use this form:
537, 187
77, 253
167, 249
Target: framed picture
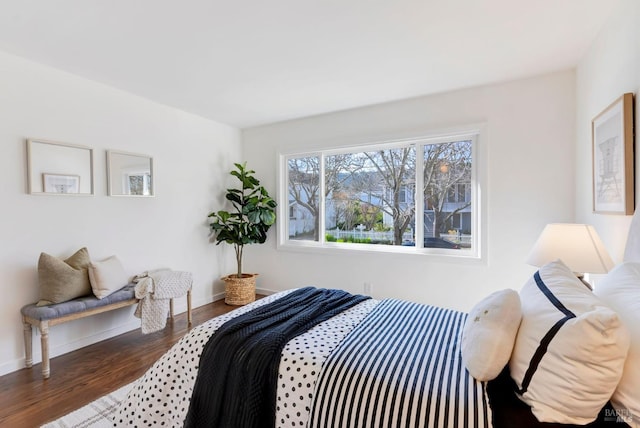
58, 183
55, 168
129, 174
612, 145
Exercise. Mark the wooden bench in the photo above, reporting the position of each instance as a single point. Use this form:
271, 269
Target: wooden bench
43, 317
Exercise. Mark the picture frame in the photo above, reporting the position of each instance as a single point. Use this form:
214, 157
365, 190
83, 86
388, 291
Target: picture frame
130, 174
52, 163
60, 183
613, 158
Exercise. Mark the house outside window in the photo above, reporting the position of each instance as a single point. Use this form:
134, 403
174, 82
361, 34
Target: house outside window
367, 197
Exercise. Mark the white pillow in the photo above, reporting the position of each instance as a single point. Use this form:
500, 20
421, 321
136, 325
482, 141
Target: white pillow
620, 289
490, 333
570, 350
107, 276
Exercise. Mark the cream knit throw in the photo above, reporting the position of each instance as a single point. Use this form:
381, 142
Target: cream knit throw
155, 289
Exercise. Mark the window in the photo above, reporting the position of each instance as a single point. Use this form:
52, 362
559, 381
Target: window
402, 196
458, 193
303, 178
367, 197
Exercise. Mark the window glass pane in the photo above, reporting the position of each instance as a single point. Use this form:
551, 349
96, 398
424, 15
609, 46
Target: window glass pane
447, 195
304, 201
370, 197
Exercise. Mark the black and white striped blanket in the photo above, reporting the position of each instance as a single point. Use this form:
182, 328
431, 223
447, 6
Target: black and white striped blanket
400, 367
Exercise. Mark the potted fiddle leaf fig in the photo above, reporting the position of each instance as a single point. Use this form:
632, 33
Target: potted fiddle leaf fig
253, 213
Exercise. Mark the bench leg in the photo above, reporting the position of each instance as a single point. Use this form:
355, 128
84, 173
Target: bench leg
44, 340
189, 307
28, 349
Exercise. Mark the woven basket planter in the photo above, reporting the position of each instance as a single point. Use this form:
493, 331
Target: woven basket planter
240, 291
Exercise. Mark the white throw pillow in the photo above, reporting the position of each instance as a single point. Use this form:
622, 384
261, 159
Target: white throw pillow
107, 277
570, 350
620, 289
490, 333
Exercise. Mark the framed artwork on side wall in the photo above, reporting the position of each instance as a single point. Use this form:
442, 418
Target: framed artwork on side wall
58, 183
612, 150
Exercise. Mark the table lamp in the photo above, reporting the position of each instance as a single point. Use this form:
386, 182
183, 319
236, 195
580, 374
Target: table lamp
577, 245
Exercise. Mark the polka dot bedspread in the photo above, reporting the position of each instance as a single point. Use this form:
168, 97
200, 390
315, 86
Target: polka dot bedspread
161, 396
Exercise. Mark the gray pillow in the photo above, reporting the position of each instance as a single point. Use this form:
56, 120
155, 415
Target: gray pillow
63, 280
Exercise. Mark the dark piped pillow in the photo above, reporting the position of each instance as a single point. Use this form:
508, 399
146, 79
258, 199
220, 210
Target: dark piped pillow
570, 349
63, 280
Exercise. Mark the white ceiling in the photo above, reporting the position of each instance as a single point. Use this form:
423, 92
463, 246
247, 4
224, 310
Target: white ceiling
251, 62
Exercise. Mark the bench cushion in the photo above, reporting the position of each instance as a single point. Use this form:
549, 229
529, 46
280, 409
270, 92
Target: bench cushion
80, 304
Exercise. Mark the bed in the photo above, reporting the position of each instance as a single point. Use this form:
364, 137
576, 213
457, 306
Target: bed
384, 363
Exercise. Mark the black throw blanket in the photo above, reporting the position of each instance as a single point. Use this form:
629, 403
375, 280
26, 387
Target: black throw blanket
244, 354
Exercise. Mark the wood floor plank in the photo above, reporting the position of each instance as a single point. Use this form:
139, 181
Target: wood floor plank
79, 377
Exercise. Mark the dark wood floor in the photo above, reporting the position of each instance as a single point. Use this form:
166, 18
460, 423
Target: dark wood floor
79, 377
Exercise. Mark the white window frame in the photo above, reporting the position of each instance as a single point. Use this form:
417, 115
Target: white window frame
475, 133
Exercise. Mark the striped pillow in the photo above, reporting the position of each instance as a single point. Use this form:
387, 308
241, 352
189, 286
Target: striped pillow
570, 349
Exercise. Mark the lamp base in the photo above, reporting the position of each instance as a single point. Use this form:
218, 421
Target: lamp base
581, 278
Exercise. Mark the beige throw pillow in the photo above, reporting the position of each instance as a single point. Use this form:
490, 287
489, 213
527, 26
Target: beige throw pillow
490, 333
63, 280
107, 276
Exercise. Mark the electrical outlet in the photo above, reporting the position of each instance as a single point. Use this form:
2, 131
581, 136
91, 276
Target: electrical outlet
367, 288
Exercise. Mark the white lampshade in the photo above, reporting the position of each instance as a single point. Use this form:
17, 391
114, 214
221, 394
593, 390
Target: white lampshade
577, 245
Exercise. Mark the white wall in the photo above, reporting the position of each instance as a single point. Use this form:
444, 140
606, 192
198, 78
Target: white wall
610, 68
191, 159
530, 146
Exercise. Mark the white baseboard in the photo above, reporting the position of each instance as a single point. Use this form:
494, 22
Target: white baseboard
216, 297
61, 349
